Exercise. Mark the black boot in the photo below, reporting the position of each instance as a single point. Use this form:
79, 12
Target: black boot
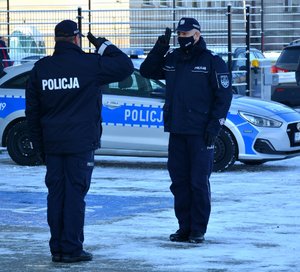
196, 238
179, 236
56, 258
83, 257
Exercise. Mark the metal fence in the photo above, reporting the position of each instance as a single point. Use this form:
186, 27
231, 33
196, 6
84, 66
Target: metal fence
31, 32
273, 24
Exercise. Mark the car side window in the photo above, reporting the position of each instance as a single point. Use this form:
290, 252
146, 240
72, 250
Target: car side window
259, 55
17, 82
241, 60
134, 85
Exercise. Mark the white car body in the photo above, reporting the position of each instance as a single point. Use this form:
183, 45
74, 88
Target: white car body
255, 131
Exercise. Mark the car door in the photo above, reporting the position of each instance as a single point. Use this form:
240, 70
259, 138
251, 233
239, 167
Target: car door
132, 117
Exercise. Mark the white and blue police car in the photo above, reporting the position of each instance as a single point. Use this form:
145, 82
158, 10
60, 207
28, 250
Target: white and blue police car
255, 131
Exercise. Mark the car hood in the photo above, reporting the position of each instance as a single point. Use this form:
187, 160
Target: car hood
262, 107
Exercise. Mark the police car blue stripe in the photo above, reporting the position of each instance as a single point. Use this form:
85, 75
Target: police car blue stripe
11, 104
247, 131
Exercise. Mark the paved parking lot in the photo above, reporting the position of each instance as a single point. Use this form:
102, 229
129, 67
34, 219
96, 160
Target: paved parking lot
254, 226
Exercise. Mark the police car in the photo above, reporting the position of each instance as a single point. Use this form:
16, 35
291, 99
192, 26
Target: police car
255, 131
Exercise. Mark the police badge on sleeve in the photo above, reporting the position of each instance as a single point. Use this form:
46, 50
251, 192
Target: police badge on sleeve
223, 80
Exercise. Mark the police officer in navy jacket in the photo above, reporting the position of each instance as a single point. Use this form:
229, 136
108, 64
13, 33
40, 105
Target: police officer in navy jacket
63, 111
198, 97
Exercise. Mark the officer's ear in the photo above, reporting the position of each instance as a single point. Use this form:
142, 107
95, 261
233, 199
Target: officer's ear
197, 36
77, 40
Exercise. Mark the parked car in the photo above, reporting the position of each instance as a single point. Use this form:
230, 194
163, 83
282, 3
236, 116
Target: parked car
287, 91
26, 44
255, 131
288, 58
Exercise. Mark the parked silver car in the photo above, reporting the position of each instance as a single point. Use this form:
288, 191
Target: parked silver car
255, 131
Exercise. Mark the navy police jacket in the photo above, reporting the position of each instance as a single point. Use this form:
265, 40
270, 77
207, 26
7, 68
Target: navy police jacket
64, 100
198, 88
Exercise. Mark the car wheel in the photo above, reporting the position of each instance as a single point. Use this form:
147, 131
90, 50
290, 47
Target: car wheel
252, 162
18, 145
225, 151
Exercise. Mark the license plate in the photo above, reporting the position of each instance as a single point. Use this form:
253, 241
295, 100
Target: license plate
297, 137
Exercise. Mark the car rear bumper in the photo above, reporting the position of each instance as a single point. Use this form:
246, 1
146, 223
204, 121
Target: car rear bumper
286, 93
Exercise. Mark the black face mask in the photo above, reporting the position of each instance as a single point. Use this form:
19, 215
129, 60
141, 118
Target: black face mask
186, 42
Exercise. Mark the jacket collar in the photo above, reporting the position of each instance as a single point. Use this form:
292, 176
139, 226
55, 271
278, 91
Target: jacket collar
63, 47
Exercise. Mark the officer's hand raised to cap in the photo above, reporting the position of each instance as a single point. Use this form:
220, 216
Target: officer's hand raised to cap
165, 39
97, 42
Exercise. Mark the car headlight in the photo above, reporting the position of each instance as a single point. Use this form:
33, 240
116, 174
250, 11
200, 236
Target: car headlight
260, 121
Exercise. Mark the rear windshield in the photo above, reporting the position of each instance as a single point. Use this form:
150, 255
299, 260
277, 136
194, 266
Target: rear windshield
289, 58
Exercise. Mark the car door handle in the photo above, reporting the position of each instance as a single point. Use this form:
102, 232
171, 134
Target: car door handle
112, 104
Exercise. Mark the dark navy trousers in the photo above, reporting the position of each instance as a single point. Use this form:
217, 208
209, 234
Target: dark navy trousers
190, 165
68, 180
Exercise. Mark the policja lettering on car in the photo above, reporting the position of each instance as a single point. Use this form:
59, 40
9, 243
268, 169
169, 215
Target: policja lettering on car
143, 116
60, 84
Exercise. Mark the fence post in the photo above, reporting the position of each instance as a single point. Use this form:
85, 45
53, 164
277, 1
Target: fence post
229, 38
90, 22
248, 65
79, 18
174, 25
8, 28
262, 27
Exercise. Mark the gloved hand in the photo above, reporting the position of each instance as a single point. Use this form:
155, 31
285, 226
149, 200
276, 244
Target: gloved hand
165, 39
97, 42
209, 139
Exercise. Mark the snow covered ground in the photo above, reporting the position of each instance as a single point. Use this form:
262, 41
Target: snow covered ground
254, 226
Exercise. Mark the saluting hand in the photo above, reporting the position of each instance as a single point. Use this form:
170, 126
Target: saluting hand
165, 39
97, 42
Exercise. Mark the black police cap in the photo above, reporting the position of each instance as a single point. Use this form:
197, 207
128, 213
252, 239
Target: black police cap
67, 28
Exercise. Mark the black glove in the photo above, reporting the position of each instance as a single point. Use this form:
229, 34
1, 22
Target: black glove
165, 39
209, 139
97, 42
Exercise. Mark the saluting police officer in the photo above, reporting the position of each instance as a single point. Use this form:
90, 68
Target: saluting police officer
198, 97
63, 110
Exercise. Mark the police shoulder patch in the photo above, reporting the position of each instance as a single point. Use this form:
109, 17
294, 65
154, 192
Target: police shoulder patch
223, 80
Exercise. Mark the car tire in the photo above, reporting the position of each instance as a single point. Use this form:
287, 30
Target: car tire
225, 151
19, 146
